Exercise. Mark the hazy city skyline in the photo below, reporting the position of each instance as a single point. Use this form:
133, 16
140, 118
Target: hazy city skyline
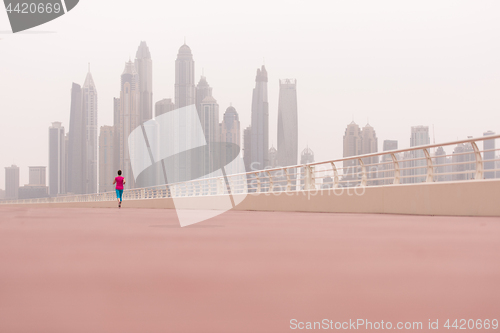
350, 62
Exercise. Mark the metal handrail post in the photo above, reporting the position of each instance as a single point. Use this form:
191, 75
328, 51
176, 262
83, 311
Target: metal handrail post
397, 173
271, 182
430, 168
335, 175
363, 172
479, 161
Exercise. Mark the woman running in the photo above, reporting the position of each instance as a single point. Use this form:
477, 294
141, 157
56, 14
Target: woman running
119, 181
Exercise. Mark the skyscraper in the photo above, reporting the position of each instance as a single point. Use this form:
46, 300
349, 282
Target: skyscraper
37, 184
247, 148
209, 118
306, 157
287, 123
66, 161
230, 127
117, 153
390, 145
203, 90
37, 175
388, 167
260, 122
12, 182
369, 144
419, 137
184, 78
488, 156
352, 146
273, 157
230, 133
463, 170
144, 69
57, 161
89, 109
127, 118
185, 165
82, 139
441, 166
164, 106
76, 147
106, 168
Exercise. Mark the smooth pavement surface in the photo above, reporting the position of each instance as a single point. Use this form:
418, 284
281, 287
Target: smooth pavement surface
135, 270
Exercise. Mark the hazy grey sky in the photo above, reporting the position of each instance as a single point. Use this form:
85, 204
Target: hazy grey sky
396, 63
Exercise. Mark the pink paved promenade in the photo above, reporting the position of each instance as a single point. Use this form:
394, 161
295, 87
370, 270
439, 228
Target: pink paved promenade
136, 270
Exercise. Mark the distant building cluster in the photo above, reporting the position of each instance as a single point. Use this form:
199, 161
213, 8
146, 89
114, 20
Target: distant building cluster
36, 188
454, 166
83, 160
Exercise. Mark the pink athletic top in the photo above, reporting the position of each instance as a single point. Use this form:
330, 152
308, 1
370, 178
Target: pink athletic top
119, 182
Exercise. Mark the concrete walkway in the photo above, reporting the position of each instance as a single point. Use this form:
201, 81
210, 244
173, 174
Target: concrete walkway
136, 270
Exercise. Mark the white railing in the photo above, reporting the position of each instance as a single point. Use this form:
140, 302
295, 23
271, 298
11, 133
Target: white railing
463, 161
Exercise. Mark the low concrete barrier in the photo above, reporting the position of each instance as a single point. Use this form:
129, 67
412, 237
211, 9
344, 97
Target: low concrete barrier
468, 198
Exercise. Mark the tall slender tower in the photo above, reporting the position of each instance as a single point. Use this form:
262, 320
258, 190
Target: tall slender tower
144, 69
89, 109
127, 110
352, 145
57, 170
203, 90
230, 133
106, 171
288, 139
117, 154
230, 127
209, 118
76, 173
260, 122
306, 157
184, 78
247, 148
419, 137
440, 162
369, 144
388, 167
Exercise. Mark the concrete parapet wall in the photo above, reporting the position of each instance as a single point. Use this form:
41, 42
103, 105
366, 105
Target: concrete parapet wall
468, 198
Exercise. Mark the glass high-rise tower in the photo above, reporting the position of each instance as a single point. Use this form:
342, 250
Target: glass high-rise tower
76, 174
57, 167
287, 123
89, 110
260, 122
126, 118
144, 69
184, 78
